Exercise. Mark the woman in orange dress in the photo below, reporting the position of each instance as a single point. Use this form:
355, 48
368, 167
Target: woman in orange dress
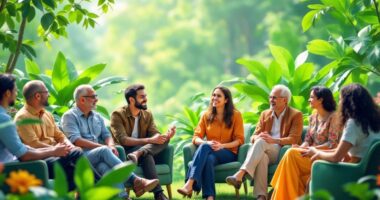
218, 136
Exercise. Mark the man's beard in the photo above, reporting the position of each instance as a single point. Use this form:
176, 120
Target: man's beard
46, 103
141, 106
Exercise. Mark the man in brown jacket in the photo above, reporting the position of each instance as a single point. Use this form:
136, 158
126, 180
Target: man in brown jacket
133, 127
280, 125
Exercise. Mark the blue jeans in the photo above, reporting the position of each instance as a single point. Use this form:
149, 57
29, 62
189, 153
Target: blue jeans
103, 160
202, 168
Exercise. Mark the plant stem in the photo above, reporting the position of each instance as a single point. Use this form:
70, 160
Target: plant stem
377, 10
13, 58
2, 5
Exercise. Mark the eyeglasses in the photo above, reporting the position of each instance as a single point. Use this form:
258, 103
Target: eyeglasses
274, 97
95, 96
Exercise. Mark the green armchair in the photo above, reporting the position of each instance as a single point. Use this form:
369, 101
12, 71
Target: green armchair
223, 170
38, 168
332, 176
164, 166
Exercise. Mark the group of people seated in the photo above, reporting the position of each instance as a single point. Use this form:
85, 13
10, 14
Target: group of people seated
343, 135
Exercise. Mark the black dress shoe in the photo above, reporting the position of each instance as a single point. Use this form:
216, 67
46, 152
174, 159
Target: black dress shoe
160, 196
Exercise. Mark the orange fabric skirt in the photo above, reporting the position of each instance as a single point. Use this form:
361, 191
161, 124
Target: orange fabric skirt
291, 176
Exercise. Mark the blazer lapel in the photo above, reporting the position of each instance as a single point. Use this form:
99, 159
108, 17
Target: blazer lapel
283, 121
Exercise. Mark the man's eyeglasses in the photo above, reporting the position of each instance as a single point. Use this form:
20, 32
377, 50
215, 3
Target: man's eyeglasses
47, 92
95, 96
274, 97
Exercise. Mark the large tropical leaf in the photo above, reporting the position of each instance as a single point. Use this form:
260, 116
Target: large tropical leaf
254, 92
119, 174
284, 58
92, 72
108, 81
60, 76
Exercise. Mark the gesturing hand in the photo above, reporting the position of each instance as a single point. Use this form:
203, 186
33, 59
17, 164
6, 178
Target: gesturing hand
158, 139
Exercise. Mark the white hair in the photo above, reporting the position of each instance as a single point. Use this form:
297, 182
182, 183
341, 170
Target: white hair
81, 90
285, 92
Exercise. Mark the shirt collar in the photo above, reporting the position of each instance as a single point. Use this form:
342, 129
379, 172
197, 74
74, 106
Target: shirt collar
281, 115
79, 111
34, 111
129, 113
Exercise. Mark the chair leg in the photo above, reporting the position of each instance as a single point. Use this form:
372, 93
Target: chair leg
245, 188
169, 189
237, 194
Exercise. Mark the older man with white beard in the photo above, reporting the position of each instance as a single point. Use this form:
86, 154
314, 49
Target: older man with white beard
280, 125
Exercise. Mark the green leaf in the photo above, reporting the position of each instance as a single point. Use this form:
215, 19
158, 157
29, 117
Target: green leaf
339, 5
253, 91
25, 9
79, 16
60, 76
31, 14
103, 111
49, 3
100, 2
301, 58
301, 76
108, 81
66, 94
31, 67
373, 54
118, 174
274, 74
28, 121
73, 74
284, 58
367, 16
73, 16
92, 72
11, 8
257, 69
60, 181
28, 51
83, 175
62, 20
323, 48
47, 20
309, 19
101, 193
38, 4
92, 15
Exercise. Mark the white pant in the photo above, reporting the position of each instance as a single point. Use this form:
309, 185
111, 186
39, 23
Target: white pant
259, 156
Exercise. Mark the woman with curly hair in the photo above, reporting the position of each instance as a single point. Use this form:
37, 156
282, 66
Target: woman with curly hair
222, 127
360, 116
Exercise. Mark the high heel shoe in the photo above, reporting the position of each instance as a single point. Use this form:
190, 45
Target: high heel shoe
185, 193
231, 180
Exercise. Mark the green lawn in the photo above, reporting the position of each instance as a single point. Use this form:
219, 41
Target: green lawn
223, 191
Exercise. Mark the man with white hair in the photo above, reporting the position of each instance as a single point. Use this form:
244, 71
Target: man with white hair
86, 128
280, 125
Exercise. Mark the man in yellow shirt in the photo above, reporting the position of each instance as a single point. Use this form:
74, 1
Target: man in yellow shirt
46, 134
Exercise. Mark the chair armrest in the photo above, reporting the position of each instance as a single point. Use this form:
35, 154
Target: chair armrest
332, 176
188, 153
38, 168
242, 153
121, 152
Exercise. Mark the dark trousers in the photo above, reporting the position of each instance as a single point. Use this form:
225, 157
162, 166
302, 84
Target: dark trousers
68, 164
202, 168
146, 160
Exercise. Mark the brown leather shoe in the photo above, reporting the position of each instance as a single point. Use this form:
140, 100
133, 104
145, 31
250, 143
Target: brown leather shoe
142, 185
231, 180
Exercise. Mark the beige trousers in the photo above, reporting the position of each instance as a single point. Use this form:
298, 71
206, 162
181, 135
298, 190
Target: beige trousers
259, 156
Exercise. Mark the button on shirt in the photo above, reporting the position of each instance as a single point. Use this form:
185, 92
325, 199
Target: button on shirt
10, 143
276, 127
75, 125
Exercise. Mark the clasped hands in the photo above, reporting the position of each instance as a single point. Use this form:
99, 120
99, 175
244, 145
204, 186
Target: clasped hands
215, 145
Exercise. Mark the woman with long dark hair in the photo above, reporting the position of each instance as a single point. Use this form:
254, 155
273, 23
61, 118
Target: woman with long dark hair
324, 130
222, 126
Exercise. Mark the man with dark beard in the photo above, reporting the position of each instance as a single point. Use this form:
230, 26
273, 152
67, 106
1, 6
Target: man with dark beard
133, 127
57, 147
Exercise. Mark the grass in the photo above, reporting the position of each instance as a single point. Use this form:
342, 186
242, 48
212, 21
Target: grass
223, 191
